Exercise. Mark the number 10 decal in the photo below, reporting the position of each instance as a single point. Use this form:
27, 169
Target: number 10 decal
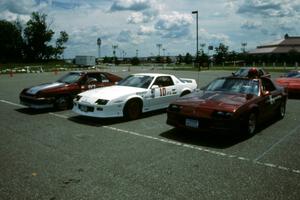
163, 91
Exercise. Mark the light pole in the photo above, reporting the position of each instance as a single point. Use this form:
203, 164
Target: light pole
99, 47
159, 46
114, 52
196, 12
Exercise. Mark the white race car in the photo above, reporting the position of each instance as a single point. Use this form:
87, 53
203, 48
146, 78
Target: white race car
136, 94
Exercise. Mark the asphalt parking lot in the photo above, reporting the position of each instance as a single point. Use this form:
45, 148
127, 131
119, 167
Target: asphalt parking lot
58, 155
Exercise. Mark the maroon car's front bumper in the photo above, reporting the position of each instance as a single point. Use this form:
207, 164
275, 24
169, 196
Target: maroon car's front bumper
202, 124
37, 102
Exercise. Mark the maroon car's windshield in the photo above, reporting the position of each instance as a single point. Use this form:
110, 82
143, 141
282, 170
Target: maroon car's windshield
235, 85
70, 78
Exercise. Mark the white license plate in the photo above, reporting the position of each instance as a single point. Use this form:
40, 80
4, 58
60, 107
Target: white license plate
192, 123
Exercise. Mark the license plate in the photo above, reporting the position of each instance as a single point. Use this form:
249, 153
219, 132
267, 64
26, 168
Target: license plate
192, 123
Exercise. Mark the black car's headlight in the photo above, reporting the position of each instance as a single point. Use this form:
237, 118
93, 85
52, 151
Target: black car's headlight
222, 115
101, 102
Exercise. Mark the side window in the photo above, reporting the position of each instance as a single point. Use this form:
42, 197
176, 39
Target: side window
267, 85
104, 79
93, 78
163, 81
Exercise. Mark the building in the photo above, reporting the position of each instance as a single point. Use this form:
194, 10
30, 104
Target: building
284, 46
85, 60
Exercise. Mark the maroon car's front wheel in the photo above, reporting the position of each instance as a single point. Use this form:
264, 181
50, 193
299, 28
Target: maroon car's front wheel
62, 103
251, 124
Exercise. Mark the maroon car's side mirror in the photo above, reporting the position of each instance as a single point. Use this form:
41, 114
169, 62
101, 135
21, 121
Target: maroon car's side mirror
266, 93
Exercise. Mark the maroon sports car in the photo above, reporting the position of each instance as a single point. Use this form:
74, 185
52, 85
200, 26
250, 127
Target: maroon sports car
229, 103
60, 94
290, 81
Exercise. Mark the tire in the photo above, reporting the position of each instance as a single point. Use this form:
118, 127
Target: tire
62, 102
281, 110
251, 124
184, 93
132, 109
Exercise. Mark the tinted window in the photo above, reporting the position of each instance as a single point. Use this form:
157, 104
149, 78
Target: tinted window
163, 81
267, 85
140, 81
235, 85
70, 78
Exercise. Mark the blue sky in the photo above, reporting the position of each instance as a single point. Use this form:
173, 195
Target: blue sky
142, 24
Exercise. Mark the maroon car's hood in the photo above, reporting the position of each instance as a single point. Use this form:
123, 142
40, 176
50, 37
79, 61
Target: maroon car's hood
45, 86
214, 100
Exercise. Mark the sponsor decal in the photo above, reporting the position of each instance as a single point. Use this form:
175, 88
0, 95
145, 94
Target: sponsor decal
272, 100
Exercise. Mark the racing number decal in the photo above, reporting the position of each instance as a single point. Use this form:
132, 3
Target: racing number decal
163, 91
91, 86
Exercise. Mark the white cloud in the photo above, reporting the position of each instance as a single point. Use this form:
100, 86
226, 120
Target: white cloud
174, 25
133, 5
251, 25
146, 30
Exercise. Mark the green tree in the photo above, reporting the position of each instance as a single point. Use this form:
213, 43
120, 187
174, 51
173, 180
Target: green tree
221, 53
37, 35
11, 42
188, 59
135, 61
63, 38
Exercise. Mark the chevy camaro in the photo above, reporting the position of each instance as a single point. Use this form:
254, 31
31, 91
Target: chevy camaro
136, 94
291, 82
60, 93
229, 103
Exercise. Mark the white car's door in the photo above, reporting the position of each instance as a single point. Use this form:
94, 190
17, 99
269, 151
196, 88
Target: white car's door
163, 91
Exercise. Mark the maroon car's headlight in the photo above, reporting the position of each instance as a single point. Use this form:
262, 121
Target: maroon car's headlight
174, 108
222, 115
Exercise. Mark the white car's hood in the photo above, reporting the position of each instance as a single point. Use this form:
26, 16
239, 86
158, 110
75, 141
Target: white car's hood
108, 93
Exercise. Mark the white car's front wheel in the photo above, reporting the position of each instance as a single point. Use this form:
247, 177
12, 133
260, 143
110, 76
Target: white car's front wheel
132, 109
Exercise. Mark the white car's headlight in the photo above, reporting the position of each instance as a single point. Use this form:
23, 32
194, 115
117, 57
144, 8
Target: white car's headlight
77, 98
101, 102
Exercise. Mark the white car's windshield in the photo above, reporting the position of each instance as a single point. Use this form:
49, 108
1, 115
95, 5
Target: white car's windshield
141, 81
234, 85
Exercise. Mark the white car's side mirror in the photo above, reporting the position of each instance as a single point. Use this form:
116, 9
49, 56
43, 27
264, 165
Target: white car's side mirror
154, 87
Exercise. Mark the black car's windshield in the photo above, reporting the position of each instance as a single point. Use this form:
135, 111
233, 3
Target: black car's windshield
141, 81
70, 78
235, 85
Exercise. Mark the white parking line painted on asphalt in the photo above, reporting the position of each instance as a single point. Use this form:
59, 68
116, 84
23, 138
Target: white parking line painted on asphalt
277, 143
255, 161
11, 103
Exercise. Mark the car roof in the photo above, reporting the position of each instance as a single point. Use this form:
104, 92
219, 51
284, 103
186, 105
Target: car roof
153, 74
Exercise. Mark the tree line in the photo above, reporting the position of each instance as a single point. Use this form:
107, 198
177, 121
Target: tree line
30, 43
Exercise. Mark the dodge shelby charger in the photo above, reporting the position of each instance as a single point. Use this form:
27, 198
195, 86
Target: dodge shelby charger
229, 103
60, 94
133, 95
